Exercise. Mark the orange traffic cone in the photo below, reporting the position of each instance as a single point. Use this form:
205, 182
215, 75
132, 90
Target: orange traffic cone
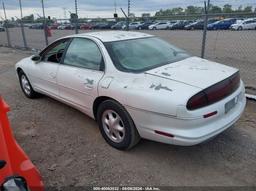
15, 161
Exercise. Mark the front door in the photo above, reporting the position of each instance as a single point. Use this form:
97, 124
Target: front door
44, 73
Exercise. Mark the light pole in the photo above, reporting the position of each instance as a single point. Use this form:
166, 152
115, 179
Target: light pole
45, 32
6, 27
22, 27
76, 17
128, 16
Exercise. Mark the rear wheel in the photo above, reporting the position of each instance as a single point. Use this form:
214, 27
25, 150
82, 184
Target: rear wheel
116, 125
26, 86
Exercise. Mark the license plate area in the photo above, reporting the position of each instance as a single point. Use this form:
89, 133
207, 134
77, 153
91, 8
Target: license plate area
230, 105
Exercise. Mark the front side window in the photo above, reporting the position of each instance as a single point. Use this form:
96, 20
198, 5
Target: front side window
138, 55
55, 51
83, 53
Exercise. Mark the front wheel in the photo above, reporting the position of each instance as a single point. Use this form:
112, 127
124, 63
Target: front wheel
26, 86
116, 125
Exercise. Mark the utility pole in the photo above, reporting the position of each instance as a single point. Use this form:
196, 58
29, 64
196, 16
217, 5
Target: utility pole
128, 12
76, 17
115, 5
6, 27
45, 27
22, 26
206, 10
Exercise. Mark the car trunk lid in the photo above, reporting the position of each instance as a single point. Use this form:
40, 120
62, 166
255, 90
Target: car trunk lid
194, 71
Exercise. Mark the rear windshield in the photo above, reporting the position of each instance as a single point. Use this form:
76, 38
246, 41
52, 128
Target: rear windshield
139, 55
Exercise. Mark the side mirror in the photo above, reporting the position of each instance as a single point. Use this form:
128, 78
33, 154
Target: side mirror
36, 58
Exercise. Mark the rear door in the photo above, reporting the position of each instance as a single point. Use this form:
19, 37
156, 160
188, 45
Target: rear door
80, 72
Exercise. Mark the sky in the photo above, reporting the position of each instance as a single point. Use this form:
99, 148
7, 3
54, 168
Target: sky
103, 8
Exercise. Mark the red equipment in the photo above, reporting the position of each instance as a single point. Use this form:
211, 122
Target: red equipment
48, 31
16, 169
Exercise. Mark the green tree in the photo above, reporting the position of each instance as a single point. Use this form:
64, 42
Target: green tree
177, 11
240, 9
193, 10
215, 9
227, 8
29, 18
248, 9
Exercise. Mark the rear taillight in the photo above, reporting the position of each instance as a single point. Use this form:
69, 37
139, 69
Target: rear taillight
214, 93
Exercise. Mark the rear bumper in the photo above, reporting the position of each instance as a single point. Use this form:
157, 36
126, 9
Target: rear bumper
188, 132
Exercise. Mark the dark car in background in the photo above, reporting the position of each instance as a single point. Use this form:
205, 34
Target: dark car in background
36, 26
54, 26
180, 25
195, 25
86, 26
145, 25
223, 24
105, 25
199, 24
2, 29
119, 25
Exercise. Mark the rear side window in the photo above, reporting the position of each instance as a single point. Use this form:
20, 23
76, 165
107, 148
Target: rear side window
83, 53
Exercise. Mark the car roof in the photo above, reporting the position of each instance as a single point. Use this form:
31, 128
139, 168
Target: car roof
111, 36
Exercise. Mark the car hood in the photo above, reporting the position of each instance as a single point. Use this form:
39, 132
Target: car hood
194, 71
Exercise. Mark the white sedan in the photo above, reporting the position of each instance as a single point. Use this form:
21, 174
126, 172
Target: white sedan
137, 86
245, 25
159, 25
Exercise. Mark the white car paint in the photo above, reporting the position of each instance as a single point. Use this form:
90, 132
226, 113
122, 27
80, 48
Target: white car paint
245, 25
159, 25
155, 99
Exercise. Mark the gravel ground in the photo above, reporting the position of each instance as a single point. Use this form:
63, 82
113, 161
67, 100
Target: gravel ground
68, 149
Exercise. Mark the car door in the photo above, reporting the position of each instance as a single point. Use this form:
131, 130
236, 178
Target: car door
79, 73
43, 74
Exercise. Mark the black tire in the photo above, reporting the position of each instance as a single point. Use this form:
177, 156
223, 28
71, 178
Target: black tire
32, 94
131, 137
240, 28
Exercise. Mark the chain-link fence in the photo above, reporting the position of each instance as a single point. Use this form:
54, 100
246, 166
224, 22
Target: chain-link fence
229, 38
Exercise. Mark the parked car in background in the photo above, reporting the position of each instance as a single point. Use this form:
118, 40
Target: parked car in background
180, 25
103, 25
159, 25
86, 26
246, 24
223, 24
199, 24
2, 29
195, 25
132, 25
137, 86
145, 25
36, 26
66, 27
54, 26
171, 23
119, 25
